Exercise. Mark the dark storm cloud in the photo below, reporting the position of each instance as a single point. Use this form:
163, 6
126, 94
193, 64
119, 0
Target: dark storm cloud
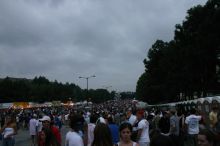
65, 39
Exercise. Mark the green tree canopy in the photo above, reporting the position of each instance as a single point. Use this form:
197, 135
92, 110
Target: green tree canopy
186, 64
40, 89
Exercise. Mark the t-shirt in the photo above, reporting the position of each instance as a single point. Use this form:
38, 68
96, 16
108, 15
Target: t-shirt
39, 126
91, 127
7, 131
174, 122
101, 120
164, 125
66, 117
56, 133
193, 124
114, 132
132, 119
144, 125
73, 139
40, 138
156, 121
213, 119
33, 126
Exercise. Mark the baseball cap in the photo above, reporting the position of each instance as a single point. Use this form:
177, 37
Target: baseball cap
45, 118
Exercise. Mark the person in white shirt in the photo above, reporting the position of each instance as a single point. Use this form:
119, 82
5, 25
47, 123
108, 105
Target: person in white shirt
66, 118
8, 131
131, 118
73, 137
192, 124
89, 130
39, 125
143, 129
33, 129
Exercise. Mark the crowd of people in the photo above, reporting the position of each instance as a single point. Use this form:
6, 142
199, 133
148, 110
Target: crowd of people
113, 123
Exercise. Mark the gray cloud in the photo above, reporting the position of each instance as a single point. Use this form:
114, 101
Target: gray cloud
65, 39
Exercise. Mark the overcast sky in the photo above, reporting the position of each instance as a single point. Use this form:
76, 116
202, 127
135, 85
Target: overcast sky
65, 39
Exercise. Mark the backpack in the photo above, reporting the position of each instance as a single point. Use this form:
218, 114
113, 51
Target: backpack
135, 133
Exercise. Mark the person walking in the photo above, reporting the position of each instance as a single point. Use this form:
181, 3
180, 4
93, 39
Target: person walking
143, 129
192, 126
213, 118
89, 130
9, 130
159, 139
207, 138
114, 130
125, 131
46, 124
33, 129
164, 122
73, 137
174, 127
48, 138
102, 135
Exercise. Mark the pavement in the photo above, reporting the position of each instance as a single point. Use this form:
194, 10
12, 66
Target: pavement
23, 138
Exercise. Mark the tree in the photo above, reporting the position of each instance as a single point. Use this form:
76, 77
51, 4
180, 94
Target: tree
186, 64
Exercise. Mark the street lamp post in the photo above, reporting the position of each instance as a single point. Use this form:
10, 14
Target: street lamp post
87, 83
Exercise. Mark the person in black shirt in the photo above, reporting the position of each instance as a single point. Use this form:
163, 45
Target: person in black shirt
158, 139
164, 123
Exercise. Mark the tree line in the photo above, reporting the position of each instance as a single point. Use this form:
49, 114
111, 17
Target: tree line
40, 89
188, 65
